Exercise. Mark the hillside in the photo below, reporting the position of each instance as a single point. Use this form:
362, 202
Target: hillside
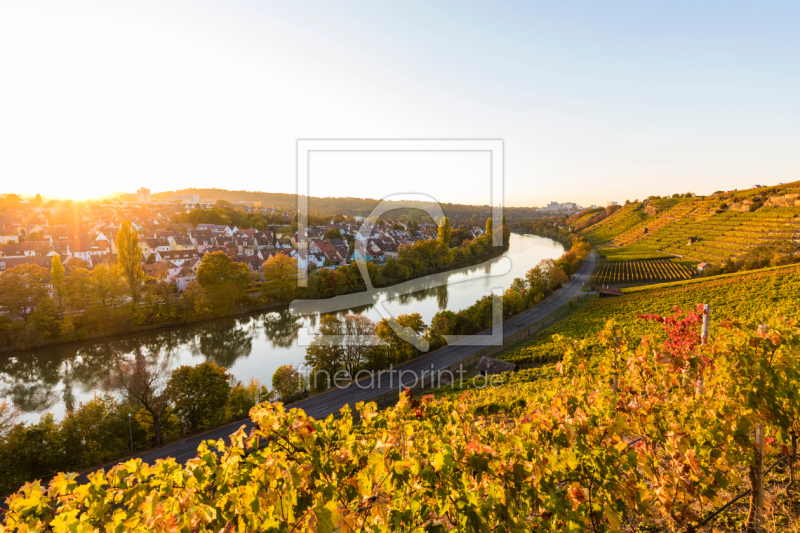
348, 206
757, 224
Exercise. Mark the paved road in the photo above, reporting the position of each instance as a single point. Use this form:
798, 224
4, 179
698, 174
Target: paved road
331, 401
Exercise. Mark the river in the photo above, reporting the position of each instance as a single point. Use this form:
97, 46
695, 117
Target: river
51, 379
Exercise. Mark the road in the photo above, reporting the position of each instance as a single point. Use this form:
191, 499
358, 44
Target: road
331, 401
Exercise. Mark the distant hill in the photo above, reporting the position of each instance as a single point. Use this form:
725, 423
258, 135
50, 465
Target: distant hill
332, 206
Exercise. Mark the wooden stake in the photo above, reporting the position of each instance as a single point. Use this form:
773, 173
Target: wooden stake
698, 390
791, 487
706, 320
755, 518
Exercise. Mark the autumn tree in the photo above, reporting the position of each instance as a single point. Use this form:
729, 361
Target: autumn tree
280, 277
129, 258
21, 289
198, 392
400, 350
79, 289
143, 384
58, 281
223, 280
489, 226
358, 341
107, 286
324, 354
444, 233
8, 417
333, 233
287, 382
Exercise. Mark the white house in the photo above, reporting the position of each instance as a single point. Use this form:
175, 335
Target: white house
184, 277
702, 267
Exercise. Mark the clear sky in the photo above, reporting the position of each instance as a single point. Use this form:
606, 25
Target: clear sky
594, 101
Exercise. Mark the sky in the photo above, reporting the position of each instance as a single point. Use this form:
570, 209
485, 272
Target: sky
594, 102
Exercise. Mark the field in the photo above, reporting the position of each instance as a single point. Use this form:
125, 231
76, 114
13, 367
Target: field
633, 271
753, 295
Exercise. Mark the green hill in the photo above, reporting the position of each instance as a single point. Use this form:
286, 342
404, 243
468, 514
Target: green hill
762, 224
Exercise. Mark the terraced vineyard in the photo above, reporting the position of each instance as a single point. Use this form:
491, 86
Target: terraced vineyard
631, 271
724, 235
605, 230
670, 211
697, 229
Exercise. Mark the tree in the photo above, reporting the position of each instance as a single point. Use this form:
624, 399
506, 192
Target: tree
399, 349
107, 286
444, 233
280, 277
57, 280
287, 382
45, 318
97, 430
143, 384
537, 281
333, 233
79, 289
8, 417
21, 288
129, 258
489, 226
223, 280
324, 354
244, 397
199, 394
357, 342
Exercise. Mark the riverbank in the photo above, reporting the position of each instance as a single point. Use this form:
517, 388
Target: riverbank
56, 378
255, 305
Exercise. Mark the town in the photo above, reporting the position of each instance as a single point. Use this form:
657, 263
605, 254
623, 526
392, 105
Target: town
84, 235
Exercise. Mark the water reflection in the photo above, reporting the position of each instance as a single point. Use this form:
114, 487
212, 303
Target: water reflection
57, 378
281, 329
441, 297
223, 343
38, 380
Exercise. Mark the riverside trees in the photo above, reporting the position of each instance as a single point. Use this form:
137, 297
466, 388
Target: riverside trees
77, 302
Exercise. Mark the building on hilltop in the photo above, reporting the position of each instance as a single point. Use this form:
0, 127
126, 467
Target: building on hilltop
143, 196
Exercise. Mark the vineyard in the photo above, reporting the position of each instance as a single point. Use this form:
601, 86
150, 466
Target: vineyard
567, 453
632, 271
752, 295
609, 227
698, 230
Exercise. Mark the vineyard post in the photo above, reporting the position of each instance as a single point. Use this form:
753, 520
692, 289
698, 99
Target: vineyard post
792, 459
755, 519
618, 340
706, 320
703, 341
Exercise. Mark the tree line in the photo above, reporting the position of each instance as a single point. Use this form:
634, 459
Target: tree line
146, 404
550, 227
